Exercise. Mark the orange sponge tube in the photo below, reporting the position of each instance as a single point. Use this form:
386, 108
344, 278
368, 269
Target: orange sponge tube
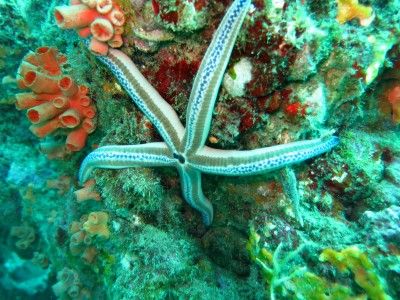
26, 100
87, 193
89, 255
102, 30
46, 129
116, 41
76, 140
71, 118
98, 48
75, 16
68, 86
43, 112
41, 83
48, 59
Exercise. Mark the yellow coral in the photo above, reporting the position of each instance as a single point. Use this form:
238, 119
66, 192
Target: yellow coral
357, 262
351, 9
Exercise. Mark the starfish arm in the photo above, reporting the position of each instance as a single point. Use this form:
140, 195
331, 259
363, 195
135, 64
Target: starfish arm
253, 162
120, 157
146, 97
193, 194
289, 183
208, 79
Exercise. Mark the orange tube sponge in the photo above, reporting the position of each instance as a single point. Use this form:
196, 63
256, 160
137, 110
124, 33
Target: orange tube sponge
84, 32
43, 112
87, 193
104, 6
55, 105
102, 30
89, 125
116, 41
41, 83
78, 237
98, 48
81, 240
75, 16
47, 57
76, 140
71, 118
68, 86
99, 217
76, 249
61, 102
26, 100
62, 184
117, 17
69, 286
89, 255
97, 224
44, 130
74, 227
104, 18
25, 234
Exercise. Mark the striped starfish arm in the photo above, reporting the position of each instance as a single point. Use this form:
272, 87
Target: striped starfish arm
208, 78
146, 97
120, 157
193, 193
252, 162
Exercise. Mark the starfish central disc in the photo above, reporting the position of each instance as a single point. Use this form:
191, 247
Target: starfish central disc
180, 158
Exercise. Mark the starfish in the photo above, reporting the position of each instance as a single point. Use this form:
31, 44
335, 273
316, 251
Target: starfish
184, 148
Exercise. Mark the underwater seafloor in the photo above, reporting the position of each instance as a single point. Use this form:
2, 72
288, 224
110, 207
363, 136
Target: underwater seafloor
326, 228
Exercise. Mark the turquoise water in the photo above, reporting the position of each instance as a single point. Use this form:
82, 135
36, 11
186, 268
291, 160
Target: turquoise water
307, 106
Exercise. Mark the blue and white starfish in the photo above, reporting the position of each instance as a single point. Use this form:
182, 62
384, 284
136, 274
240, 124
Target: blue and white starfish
184, 148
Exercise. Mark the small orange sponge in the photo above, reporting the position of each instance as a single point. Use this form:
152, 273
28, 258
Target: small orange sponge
56, 105
97, 224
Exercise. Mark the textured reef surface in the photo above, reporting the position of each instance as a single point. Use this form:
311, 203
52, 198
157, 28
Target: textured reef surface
325, 228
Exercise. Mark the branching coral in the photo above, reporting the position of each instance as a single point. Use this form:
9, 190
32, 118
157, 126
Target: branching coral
103, 19
273, 268
56, 105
